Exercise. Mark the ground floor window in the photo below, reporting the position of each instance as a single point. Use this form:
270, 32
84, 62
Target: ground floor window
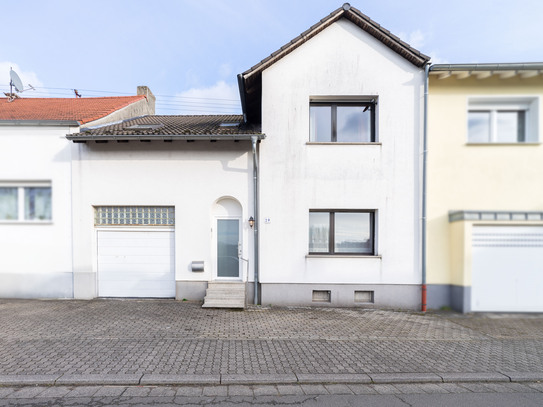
134, 216
341, 232
25, 202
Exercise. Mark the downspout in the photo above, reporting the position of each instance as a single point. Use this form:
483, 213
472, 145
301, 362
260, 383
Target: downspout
254, 140
424, 159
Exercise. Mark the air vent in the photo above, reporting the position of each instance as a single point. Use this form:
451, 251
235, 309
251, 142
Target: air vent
363, 296
321, 296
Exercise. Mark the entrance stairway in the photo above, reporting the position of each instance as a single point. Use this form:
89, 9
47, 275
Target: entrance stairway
224, 295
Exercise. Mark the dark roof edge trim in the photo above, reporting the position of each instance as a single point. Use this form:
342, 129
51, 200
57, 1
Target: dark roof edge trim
356, 17
78, 136
241, 87
39, 123
527, 66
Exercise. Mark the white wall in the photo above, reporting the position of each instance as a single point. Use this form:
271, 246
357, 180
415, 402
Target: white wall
342, 60
189, 176
36, 258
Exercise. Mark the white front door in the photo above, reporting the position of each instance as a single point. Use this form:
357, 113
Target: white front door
136, 263
507, 268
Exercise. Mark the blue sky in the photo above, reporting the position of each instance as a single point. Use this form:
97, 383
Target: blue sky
190, 51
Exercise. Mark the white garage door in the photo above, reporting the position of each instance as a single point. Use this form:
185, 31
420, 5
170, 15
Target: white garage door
507, 268
136, 264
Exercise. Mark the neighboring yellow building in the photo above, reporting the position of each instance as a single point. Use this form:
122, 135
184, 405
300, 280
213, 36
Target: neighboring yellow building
484, 247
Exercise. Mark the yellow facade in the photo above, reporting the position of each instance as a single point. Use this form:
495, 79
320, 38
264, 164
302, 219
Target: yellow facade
479, 177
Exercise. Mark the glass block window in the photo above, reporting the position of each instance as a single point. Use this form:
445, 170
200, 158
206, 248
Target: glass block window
134, 216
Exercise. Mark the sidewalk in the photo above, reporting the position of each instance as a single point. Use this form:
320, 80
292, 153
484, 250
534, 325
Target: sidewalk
151, 342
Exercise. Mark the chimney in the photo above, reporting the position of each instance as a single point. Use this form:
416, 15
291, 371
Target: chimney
145, 91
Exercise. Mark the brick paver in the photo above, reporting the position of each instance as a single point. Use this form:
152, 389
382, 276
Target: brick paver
165, 337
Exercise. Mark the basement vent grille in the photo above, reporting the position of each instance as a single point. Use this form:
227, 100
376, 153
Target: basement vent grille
134, 216
363, 296
321, 296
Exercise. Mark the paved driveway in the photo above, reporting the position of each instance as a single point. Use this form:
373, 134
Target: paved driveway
166, 337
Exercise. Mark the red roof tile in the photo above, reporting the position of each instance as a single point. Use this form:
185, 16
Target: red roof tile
83, 110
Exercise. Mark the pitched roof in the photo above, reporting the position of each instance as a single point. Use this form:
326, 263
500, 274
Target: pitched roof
159, 127
250, 81
80, 110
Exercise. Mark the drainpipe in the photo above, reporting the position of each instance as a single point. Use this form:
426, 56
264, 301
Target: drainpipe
424, 159
254, 140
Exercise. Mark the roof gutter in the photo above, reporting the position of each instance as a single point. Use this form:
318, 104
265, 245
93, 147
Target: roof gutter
159, 137
528, 66
55, 123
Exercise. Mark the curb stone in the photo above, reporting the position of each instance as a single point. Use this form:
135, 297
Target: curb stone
286, 379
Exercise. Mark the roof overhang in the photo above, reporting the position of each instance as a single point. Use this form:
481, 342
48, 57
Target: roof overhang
483, 71
81, 137
52, 123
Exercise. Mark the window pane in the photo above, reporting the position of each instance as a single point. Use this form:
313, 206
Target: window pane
479, 127
320, 125
352, 233
510, 127
37, 203
8, 204
353, 124
319, 232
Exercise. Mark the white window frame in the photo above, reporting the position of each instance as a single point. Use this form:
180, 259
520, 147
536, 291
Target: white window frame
495, 104
20, 186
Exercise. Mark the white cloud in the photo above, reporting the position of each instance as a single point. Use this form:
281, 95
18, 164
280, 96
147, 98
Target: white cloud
415, 38
436, 59
27, 77
221, 98
225, 70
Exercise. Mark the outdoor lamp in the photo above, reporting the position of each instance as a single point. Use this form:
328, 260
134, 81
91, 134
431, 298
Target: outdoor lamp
251, 221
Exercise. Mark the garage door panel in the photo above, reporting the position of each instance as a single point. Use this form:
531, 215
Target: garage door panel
136, 264
507, 268
142, 241
136, 259
140, 251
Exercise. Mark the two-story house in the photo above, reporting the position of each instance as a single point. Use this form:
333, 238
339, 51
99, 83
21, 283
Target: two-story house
485, 207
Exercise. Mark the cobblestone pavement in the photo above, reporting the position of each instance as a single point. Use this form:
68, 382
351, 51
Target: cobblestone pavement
166, 337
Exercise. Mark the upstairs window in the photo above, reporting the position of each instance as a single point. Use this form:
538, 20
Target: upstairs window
25, 202
342, 122
502, 121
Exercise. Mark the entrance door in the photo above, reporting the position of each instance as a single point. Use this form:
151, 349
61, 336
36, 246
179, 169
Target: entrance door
227, 248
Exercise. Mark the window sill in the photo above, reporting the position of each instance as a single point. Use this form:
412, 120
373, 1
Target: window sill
532, 143
336, 143
343, 256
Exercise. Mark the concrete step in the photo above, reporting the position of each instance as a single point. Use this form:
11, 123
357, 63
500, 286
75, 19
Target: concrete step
224, 295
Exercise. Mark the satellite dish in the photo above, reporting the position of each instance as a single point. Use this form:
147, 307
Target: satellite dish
16, 81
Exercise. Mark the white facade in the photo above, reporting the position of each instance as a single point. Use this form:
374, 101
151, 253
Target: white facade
209, 186
203, 181
36, 256
341, 62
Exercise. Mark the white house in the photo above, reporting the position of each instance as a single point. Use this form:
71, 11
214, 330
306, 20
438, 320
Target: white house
342, 109
36, 258
325, 161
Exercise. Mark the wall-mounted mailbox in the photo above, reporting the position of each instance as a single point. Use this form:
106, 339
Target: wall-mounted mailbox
197, 266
